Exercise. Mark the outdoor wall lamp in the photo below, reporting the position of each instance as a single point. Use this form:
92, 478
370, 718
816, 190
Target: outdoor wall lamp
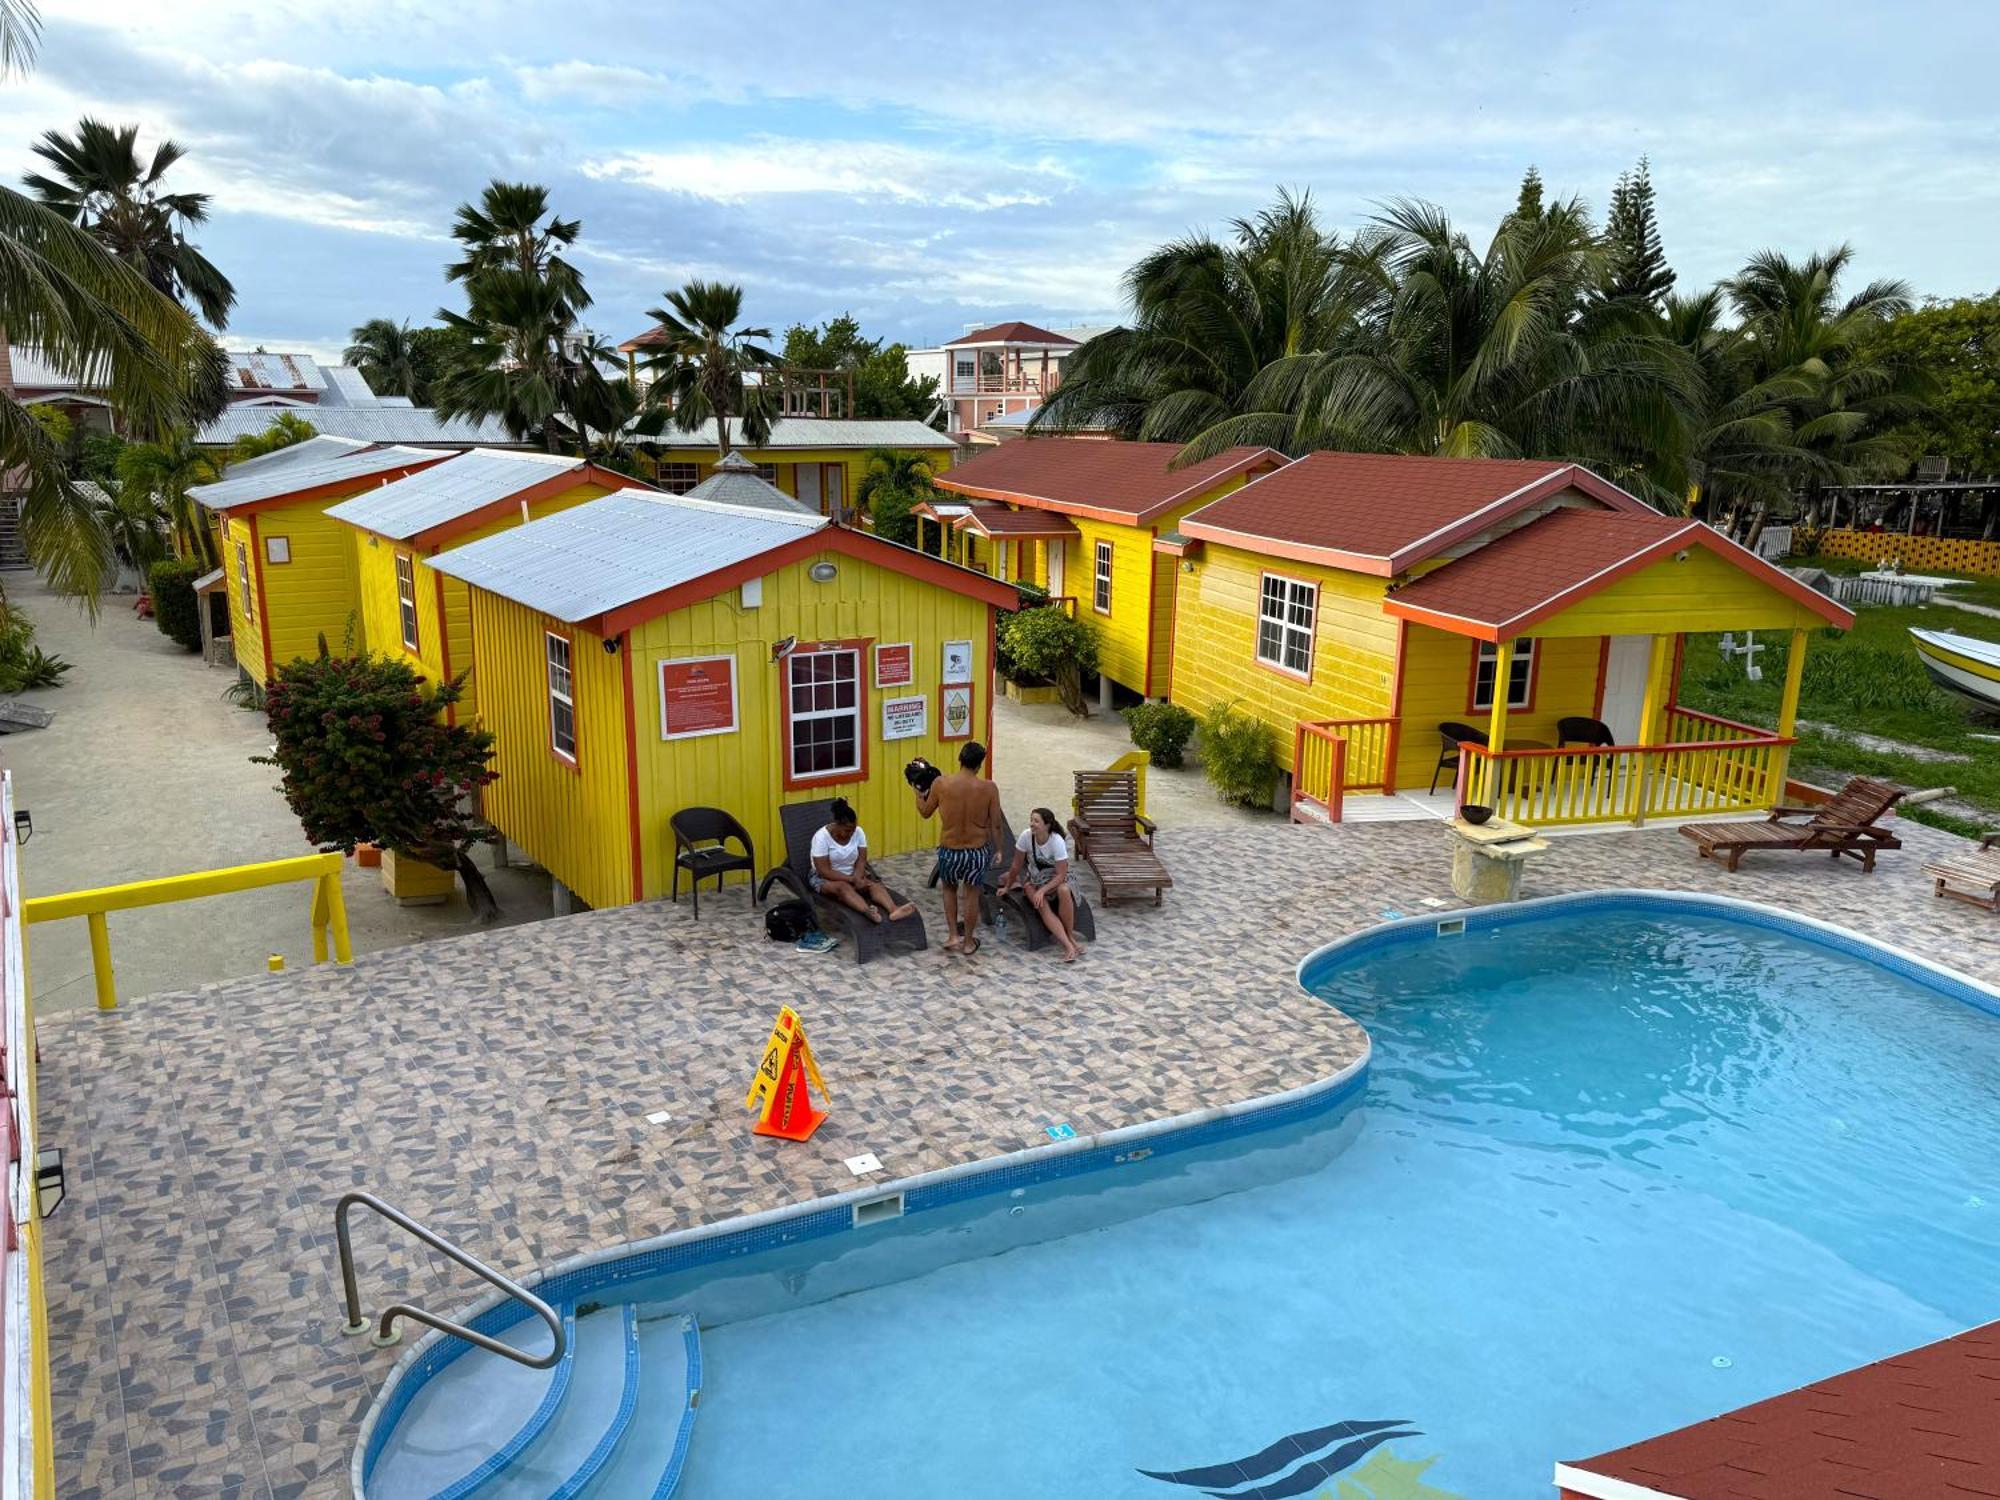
24, 825
823, 572
50, 1188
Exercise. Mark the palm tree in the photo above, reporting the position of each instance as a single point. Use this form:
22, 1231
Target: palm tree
505, 230
102, 186
286, 428
1209, 320
167, 470
701, 368
382, 351
509, 356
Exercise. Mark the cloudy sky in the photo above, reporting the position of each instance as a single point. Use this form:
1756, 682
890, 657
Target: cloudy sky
929, 167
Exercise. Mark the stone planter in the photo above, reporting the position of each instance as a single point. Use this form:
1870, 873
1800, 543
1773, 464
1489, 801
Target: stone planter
414, 883
1046, 693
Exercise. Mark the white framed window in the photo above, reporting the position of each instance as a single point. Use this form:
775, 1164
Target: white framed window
679, 478
1520, 676
562, 697
406, 598
243, 583
277, 549
1285, 616
824, 713
1100, 599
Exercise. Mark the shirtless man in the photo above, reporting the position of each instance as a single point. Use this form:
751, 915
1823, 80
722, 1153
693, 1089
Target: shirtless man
967, 806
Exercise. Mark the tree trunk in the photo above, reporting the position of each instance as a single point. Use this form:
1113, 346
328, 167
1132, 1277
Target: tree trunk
1756, 525
478, 894
721, 433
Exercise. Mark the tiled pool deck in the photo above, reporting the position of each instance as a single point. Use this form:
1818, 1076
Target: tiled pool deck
497, 1088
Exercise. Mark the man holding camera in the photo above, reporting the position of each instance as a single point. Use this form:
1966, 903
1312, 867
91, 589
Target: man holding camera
967, 807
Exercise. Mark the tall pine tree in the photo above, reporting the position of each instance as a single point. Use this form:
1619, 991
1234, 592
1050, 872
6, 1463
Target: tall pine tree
1639, 268
1529, 204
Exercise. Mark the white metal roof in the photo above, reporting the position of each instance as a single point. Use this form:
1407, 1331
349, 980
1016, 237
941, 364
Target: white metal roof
313, 450
462, 484
254, 370
816, 432
737, 482
616, 550
368, 424
289, 479
346, 386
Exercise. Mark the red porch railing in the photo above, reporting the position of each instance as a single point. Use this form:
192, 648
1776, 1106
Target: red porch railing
1331, 757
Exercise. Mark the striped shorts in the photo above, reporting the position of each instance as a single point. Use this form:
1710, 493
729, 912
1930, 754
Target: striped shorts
962, 866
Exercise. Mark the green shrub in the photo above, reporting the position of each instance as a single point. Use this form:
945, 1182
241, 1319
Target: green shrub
1238, 756
176, 606
23, 664
890, 506
1049, 645
1162, 730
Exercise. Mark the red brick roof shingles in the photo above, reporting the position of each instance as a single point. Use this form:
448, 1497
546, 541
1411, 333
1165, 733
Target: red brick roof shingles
1371, 504
1538, 562
1911, 1427
1015, 332
1088, 474
998, 521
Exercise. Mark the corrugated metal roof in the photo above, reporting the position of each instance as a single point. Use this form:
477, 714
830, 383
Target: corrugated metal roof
462, 484
737, 482
613, 551
269, 484
253, 370
347, 386
313, 450
817, 432
369, 424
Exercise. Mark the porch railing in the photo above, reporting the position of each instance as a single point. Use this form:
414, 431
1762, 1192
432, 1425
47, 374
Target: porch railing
1711, 766
1331, 757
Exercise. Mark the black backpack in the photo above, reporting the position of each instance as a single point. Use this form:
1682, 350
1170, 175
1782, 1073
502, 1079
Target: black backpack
789, 921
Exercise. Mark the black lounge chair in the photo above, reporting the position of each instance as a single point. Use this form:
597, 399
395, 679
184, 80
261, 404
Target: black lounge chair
801, 820
701, 847
1454, 735
1593, 733
1035, 932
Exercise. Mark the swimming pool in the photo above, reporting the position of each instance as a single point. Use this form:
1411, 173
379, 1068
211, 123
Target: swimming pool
1622, 1162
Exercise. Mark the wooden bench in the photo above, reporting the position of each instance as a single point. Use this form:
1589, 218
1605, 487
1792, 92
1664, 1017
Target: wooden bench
1110, 835
1977, 869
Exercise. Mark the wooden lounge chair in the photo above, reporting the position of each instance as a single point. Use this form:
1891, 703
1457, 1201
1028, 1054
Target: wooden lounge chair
801, 820
1846, 824
1110, 835
1977, 869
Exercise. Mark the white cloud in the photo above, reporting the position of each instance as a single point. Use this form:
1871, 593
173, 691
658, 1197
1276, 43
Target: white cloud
768, 167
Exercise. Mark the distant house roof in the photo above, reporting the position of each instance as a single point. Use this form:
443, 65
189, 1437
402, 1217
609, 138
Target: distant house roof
737, 481
301, 481
1015, 332
255, 370
466, 490
617, 561
815, 432
652, 338
1126, 482
1509, 585
312, 450
1384, 513
417, 425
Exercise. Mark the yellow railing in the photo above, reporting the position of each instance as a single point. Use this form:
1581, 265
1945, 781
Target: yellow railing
1137, 761
1331, 757
329, 907
1626, 783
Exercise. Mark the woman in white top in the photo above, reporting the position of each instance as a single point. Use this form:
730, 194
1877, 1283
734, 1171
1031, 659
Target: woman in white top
840, 867
1041, 872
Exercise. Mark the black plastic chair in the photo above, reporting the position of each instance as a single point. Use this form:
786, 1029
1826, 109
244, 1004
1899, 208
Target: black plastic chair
701, 836
1034, 932
1454, 735
801, 820
1594, 733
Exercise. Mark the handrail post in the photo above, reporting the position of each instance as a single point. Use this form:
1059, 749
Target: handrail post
1336, 778
100, 961
336, 905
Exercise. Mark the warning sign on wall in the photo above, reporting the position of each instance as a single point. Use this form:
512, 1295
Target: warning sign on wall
697, 696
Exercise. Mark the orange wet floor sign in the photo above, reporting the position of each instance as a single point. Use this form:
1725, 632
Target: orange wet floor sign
781, 1082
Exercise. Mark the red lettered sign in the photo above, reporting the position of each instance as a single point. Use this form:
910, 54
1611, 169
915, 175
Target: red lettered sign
697, 696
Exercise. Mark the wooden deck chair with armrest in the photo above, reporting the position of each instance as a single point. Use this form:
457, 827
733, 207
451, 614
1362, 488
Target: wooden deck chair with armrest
1845, 824
1110, 835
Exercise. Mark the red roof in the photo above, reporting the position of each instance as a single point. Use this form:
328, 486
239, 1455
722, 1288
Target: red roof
998, 521
1011, 333
1515, 581
1384, 513
657, 334
1126, 482
1916, 1424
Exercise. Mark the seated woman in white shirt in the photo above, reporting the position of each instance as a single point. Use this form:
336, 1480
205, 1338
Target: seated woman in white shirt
1041, 872
840, 867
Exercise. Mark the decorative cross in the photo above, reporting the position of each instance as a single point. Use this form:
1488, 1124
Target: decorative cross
1748, 651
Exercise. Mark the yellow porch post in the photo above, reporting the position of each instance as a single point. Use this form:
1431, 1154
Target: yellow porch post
1788, 718
1503, 671
1659, 667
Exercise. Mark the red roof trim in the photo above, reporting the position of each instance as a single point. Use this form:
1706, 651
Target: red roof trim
1569, 476
1151, 513
1269, 546
905, 560
1014, 332
1036, 529
339, 489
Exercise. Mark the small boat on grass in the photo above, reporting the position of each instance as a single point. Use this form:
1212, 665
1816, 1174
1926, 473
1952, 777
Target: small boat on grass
1961, 664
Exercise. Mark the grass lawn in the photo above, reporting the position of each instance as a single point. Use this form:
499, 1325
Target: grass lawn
1868, 681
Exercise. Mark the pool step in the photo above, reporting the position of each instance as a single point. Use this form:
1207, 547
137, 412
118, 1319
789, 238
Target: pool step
579, 1438
470, 1416
648, 1465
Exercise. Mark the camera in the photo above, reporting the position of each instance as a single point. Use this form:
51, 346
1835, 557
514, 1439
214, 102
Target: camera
920, 773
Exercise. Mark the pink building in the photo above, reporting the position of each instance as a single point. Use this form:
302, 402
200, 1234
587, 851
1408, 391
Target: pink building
994, 372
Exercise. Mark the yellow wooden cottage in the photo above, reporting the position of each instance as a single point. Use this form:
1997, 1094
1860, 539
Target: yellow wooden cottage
291, 570
1386, 614
818, 461
407, 608
642, 653
1079, 517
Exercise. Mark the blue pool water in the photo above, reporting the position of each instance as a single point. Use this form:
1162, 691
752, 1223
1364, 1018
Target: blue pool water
1612, 1172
